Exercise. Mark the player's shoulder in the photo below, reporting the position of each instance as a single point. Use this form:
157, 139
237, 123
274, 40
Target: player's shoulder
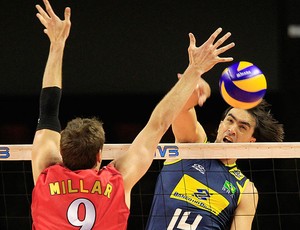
250, 187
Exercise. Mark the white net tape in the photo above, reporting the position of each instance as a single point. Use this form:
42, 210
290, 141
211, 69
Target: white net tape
185, 151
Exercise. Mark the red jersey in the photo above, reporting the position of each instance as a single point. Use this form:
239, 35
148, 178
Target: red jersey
82, 199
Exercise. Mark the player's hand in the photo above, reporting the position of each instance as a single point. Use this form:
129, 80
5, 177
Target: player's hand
203, 91
57, 30
207, 55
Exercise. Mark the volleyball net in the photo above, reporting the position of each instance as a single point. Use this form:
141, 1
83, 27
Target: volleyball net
273, 167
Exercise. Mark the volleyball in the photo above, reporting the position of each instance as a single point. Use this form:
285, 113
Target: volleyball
242, 85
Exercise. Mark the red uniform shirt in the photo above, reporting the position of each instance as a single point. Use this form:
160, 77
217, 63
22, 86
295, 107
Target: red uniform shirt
82, 199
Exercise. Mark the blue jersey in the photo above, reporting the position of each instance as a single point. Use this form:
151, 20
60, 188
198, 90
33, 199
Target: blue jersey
196, 194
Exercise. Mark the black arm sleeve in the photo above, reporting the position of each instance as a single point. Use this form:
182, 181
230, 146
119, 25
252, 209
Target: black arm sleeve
49, 109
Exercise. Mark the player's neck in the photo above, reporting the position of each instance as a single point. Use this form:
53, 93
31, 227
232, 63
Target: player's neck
228, 161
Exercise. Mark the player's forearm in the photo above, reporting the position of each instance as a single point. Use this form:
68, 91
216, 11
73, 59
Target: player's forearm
53, 70
168, 109
184, 126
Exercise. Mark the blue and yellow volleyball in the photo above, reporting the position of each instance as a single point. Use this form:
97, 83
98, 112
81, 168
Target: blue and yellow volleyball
243, 85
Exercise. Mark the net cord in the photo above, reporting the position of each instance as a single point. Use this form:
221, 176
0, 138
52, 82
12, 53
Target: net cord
260, 150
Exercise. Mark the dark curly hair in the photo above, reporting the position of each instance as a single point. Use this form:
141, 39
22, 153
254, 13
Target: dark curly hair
267, 128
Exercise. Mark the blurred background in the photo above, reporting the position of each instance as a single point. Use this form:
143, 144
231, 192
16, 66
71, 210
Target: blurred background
122, 57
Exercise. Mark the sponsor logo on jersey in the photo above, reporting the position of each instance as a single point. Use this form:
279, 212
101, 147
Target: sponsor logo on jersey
237, 173
199, 168
202, 194
199, 195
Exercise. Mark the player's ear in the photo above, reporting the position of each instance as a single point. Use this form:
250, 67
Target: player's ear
252, 139
99, 158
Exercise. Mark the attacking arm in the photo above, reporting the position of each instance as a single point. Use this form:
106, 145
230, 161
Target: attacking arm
134, 164
186, 127
45, 149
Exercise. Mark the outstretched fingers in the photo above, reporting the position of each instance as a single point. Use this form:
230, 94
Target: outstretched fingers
206, 56
46, 16
222, 40
56, 29
224, 49
49, 9
192, 40
214, 35
191, 46
68, 14
42, 15
67, 21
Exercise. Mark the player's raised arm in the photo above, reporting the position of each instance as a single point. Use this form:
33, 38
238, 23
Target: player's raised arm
138, 159
46, 141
